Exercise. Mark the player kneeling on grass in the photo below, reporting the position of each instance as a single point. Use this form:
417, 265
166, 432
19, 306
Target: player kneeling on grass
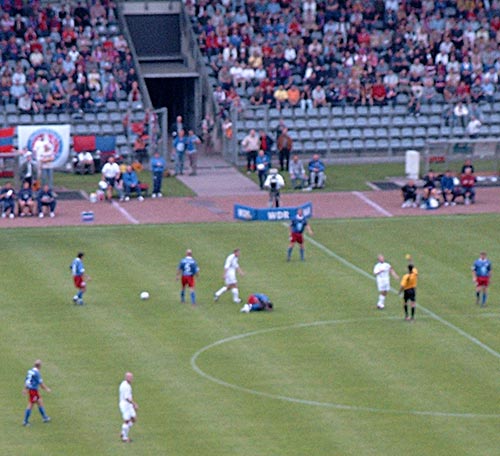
257, 302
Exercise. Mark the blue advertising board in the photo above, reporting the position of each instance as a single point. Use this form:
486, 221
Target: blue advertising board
249, 214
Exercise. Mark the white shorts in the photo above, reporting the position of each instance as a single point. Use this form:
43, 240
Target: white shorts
383, 285
230, 278
127, 410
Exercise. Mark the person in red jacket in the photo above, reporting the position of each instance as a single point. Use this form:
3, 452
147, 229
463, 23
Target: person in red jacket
467, 184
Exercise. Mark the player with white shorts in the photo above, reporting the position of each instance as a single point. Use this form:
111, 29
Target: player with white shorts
127, 406
383, 271
231, 268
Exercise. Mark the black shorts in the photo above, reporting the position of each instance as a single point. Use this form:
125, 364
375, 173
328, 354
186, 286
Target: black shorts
409, 295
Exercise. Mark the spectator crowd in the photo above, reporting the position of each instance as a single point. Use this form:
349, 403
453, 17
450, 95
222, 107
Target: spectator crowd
63, 57
310, 53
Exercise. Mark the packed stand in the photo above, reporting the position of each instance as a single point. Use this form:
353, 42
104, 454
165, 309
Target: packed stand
310, 53
63, 57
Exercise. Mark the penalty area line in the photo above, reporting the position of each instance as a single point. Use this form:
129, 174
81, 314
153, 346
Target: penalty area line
373, 204
125, 213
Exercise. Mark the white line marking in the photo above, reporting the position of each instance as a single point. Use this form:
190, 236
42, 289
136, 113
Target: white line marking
355, 408
125, 213
429, 312
373, 204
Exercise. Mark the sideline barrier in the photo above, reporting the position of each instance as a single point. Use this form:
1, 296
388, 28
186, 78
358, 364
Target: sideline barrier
250, 214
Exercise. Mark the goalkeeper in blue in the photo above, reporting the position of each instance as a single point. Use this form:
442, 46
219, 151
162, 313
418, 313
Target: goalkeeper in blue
257, 302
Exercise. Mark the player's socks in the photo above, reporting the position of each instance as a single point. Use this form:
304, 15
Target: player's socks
381, 301
485, 298
80, 294
477, 297
182, 296
42, 412
412, 313
236, 295
220, 291
125, 431
27, 414
289, 253
193, 297
406, 310
302, 254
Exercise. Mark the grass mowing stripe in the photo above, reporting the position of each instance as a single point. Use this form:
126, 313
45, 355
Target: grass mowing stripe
429, 312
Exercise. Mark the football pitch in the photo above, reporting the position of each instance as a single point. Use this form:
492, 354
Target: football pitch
324, 374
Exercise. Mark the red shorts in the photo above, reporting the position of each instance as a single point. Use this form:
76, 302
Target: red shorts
187, 281
297, 237
34, 396
482, 281
79, 282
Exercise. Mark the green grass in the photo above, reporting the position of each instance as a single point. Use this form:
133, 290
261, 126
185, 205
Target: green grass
324, 374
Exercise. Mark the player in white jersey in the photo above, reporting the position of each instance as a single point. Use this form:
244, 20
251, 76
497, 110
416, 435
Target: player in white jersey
231, 268
383, 271
127, 406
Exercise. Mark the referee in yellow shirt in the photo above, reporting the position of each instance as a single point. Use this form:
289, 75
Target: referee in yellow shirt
409, 287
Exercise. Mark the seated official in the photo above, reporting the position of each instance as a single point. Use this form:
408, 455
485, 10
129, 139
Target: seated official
297, 173
467, 188
409, 191
83, 163
430, 184
317, 175
8, 200
131, 183
257, 302
448, 190
25, 201
46, 201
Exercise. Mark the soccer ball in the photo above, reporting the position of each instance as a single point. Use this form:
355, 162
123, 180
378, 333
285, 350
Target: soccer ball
144, 295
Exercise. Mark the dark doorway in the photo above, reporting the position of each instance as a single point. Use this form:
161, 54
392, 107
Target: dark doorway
177, 95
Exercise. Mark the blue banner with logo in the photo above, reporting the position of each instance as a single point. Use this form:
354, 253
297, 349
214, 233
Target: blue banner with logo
248, 213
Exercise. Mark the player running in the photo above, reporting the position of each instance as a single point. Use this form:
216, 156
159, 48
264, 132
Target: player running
481, 273
187, 271
79, 278
231, 267
297, 226
32, 382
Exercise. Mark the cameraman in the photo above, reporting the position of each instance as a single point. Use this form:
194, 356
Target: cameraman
274, 182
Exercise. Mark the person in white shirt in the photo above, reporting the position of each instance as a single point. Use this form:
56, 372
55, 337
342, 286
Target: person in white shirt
383, 271
231, 267
111, 175
127, 406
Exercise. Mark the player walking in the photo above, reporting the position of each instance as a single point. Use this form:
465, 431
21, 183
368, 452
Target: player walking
409, 290
231, 267
187, 271
297, 226
79, 278
32, 382
383, 271
481, 273
127, 406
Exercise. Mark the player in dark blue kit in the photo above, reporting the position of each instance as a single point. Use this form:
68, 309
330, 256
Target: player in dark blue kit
187, 271
297, 226
481, 273
257, 302
32, 383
